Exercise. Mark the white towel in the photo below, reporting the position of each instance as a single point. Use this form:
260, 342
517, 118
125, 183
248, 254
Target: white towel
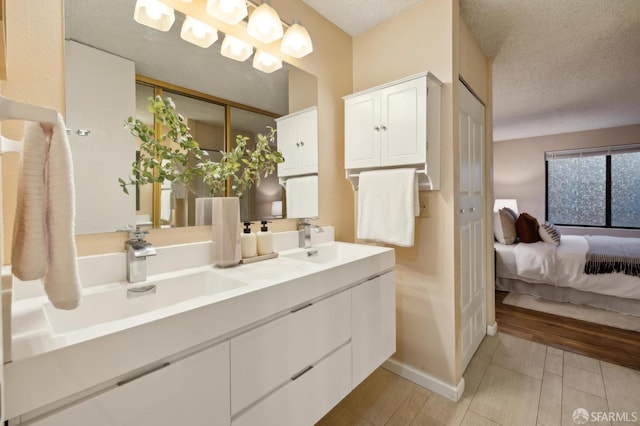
44, 241
302, 197
203, 211
387, 206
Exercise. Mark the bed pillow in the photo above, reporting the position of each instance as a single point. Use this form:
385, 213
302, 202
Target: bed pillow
549, 234
504, 226
527, 228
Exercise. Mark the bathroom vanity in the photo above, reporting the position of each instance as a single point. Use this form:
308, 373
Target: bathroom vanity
277, 342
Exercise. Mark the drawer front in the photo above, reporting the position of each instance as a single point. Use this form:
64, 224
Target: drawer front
268, 356
305, 400
193, 391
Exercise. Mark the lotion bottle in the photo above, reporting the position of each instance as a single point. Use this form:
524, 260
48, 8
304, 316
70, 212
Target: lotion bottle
248, 241
265, 239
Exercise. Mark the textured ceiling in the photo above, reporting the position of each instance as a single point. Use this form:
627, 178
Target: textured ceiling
357, 16
558, 65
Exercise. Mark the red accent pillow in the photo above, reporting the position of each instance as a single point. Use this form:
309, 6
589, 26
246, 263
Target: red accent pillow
527, 228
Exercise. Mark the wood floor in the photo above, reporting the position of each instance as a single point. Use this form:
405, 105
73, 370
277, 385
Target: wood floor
602, 342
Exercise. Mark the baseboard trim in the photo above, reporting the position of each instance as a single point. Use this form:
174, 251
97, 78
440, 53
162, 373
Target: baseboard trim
492, 329
454, 393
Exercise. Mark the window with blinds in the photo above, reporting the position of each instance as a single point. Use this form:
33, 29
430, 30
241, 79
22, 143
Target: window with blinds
594, 187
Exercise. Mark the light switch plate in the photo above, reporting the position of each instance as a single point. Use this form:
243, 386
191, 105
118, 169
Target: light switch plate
423, 199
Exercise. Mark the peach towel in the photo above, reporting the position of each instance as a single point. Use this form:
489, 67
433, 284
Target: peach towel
44, 238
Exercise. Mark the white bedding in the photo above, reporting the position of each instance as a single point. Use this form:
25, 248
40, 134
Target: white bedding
562, 266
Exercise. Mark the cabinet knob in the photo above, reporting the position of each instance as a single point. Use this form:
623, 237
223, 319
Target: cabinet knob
462, 211
473, 209
377, 128
298, 144
383, 127
301, 143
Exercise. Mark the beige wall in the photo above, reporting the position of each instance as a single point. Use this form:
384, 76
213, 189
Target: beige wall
36, 75
519, 164
425, 39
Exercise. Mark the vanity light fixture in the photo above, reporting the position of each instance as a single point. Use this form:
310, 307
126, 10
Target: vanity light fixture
228, 11
266, 62
264, 24
235, 48
154, 14
198, 33
296, 41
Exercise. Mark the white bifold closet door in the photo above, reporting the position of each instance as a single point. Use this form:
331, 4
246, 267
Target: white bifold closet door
473, 321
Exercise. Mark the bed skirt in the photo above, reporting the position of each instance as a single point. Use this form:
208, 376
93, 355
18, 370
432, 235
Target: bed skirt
566, 294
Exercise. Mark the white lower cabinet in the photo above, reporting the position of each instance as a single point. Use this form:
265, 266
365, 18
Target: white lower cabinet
269, 356
290, 370
191, 391
373, 324
306, 399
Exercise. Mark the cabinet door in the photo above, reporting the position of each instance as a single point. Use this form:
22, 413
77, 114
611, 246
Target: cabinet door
373, 322
362, 131
287, 140
308, 135
306, 399
268, 356
404, 123
298, 142
193, 391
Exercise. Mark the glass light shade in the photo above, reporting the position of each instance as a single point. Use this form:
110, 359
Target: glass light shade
296, 42
235, 49
229, 11
198, 33
264, 24
154, 14
266, 62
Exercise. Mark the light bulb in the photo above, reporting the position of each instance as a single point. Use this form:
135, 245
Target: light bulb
296, 42
153, 10
198, 32
264, 24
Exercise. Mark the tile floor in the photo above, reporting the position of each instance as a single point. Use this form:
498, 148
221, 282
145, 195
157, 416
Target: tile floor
509, 382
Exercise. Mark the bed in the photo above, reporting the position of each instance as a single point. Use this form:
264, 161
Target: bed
557, 272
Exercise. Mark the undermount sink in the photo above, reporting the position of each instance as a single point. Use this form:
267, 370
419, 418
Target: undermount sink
124, 302
329, 252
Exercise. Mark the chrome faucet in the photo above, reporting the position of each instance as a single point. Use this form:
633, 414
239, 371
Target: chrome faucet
137, 251
304, 232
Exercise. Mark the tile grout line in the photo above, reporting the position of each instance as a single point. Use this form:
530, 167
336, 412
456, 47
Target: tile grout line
544, 369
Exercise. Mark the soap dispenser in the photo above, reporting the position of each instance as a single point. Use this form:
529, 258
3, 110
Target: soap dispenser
249, 245
265, 239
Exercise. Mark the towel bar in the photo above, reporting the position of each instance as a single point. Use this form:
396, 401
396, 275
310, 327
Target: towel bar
424, 181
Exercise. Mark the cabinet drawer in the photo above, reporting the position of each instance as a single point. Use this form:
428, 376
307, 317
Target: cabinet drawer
305, 400
193, 391
268, 356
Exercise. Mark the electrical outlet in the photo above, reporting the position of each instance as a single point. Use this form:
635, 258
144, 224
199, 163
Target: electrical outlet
423, 199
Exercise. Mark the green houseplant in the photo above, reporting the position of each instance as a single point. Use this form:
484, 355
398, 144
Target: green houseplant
166, 157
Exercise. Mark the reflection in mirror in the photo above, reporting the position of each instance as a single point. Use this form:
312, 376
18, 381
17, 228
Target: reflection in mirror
206, 121
109, 28
258, 203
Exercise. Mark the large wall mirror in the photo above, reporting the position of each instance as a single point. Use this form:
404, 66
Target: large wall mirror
104, 52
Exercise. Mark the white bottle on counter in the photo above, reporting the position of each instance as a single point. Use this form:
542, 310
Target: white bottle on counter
248, 242
265, 239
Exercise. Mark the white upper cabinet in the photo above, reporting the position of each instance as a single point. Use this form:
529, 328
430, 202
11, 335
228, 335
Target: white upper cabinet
391, 125
298, 141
